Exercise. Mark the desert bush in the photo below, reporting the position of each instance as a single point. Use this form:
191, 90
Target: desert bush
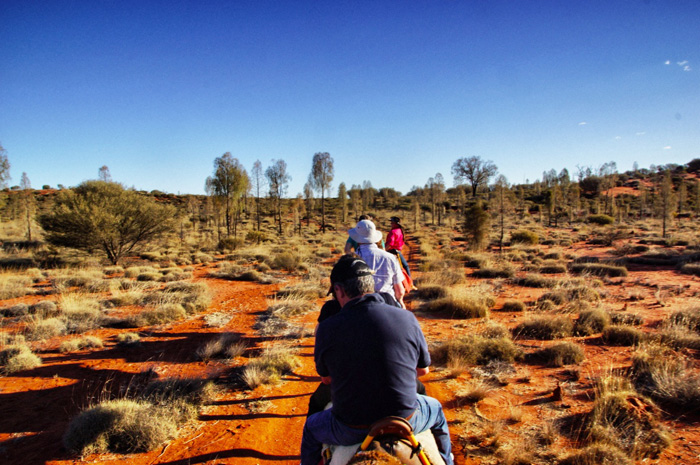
475, 350
544, 327
599, 269
75, 344
149, 276
625, 419
600, 219
621, 335
523, 236
513, 306
591, 322
16, 357
560, 354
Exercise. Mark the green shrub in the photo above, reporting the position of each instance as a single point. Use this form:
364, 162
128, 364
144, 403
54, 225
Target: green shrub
600, 219
523, 236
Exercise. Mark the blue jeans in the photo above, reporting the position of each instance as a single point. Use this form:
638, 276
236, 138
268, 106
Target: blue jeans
324, 428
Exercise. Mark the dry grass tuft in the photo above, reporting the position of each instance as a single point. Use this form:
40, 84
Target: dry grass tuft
274, 362
544, 327
475, 350
624, 419
557, 355
16, 357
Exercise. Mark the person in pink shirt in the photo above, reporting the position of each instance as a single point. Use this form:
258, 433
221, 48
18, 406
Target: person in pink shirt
395, 242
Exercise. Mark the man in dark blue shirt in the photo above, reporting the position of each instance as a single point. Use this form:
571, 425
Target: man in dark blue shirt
369, 353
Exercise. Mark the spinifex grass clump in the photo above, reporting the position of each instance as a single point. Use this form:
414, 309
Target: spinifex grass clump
73, 345
275, 320
535, 280
544, 327
592, 321
622, 335
17, 356
12, 285
599, 269
560, 354
623, 418
666, 376
136, 425
269, 368
475, 350
463, 302
225, 346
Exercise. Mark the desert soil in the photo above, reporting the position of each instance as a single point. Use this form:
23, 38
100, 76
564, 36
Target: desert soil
264, 426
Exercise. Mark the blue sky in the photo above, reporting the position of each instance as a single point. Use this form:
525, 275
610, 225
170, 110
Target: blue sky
395, 91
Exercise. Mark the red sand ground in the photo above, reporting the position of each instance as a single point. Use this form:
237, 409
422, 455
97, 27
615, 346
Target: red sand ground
264, 426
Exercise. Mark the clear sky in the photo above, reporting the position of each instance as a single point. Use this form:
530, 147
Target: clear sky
395, 91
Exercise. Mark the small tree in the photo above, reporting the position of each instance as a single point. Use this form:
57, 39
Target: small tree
100, 215
474, 171
666, 201
321, 178
503, 203
476, 226
258, 182
27, 196
343, 201
229, 183
4, 167
278, 180
103, 174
